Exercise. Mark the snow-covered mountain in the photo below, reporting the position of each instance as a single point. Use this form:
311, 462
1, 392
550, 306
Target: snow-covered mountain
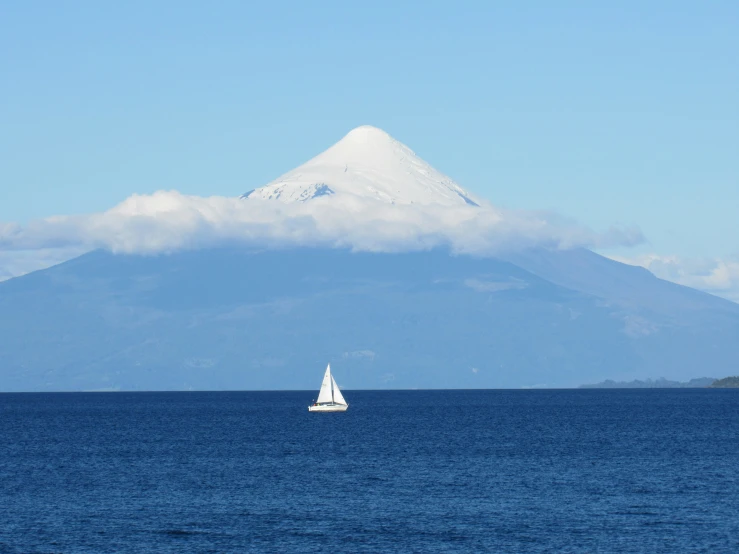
367, 163
375, 291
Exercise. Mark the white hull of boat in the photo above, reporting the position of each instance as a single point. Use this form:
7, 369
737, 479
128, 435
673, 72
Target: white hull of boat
328, 408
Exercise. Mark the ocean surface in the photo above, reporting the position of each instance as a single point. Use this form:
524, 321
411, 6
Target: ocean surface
401, 471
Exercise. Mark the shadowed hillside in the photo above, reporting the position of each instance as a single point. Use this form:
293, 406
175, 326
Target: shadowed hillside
237, 319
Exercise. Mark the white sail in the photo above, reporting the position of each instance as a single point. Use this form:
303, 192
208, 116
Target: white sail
338, 397
324, 394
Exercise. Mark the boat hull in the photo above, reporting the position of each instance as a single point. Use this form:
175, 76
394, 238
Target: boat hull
328, 408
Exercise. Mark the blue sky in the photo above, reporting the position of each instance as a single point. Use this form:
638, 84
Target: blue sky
606, 112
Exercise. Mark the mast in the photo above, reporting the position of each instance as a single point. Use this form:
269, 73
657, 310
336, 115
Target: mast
332, 384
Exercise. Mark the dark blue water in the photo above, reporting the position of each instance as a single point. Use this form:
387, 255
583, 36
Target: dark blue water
416, 471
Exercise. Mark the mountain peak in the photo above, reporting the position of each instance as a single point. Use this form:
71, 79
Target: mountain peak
366, 163
368, 132
367, 136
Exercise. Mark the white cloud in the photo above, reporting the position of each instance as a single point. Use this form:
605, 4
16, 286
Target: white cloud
714, 275
168, 221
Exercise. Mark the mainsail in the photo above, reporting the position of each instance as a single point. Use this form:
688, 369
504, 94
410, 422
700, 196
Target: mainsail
338, 397
324, 395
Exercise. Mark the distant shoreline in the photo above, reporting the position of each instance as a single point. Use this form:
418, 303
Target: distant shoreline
726, 383
661, 383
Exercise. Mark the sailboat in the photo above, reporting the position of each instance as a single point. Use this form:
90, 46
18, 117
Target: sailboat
330, 398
